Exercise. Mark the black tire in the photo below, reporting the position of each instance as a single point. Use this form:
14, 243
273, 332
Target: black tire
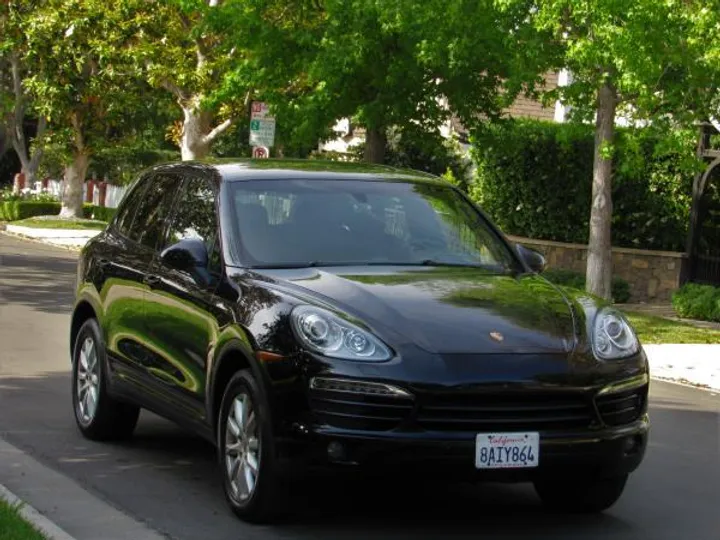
581, 495
266, 502
111, 419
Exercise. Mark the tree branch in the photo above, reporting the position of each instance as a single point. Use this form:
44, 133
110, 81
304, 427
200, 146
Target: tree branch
217, 131
173, 88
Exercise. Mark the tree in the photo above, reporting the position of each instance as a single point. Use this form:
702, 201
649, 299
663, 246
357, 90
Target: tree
644, 59
80, 81
181, 52
15, 103
383, 64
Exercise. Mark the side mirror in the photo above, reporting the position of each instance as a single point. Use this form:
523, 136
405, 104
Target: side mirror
534, 260
188, 254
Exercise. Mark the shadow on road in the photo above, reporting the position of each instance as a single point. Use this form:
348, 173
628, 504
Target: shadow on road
43, 283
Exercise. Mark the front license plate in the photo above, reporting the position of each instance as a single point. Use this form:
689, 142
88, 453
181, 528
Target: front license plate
507, 450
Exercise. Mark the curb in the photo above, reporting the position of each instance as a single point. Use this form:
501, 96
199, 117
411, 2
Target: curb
35, 518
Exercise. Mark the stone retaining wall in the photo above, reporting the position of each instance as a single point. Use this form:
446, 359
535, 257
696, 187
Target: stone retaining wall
652, 275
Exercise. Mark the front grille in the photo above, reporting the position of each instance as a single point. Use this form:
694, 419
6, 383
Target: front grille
357, 411
622, 407
505, 412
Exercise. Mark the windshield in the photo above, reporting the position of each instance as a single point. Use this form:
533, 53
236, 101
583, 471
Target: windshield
297, 223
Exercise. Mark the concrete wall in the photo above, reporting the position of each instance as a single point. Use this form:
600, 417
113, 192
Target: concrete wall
652, 275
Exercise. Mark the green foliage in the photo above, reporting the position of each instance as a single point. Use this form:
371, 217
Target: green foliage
535, 180
100, 213
382, 64
576, 280
694, 301
657, 55
14, 210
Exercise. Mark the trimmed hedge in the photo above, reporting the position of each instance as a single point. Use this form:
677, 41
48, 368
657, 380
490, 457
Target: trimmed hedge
534, 179
15, 210
694, 301
19, 209
568, 278
101, 213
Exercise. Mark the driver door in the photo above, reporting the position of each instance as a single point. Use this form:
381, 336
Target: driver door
179, 307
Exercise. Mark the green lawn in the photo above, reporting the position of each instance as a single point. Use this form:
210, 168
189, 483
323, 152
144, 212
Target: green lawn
14, 527
61, 223
651, 329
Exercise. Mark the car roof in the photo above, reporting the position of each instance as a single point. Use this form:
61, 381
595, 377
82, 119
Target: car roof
233, 170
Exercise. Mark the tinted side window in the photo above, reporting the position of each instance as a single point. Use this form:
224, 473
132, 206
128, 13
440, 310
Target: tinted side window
126, 211
195, 217
153, 209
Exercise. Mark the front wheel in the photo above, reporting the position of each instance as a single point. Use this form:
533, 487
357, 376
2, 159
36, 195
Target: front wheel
98, 415
581, 494
251, 470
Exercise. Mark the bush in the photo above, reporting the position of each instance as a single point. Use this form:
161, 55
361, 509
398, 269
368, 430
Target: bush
20, 209
576, 280
14, 210
535, 179
694, 301
101, 213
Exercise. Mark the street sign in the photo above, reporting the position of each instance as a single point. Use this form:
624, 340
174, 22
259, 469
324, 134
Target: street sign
260, 152
262, 125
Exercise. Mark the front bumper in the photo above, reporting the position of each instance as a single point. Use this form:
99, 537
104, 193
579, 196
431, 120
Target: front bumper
606, 452
601, 429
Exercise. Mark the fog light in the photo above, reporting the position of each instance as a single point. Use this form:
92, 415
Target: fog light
357, 387
632, 444
336, 451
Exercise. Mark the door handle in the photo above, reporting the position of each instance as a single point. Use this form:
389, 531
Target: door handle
103, 263
151, 280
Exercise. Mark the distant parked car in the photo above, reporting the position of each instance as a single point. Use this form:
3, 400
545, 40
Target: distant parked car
350, 314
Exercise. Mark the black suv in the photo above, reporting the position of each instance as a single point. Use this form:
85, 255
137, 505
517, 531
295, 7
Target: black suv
337, 313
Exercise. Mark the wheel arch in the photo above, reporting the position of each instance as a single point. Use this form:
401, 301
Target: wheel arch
232, 357
84, 310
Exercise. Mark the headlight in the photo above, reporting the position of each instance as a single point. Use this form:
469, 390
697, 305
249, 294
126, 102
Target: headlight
329, 335
612, 336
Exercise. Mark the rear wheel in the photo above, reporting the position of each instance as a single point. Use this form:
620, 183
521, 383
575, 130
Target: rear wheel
582, 494
251, 470
98, 416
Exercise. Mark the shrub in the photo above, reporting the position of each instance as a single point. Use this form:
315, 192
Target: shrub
576, 280
535, 179
694, 301
21, 209
14, 210
101, 213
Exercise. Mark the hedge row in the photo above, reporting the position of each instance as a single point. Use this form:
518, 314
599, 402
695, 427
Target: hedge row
16, 210
535, 180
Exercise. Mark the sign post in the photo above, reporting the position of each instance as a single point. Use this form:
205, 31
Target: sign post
262, 130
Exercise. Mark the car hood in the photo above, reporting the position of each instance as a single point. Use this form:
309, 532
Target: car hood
442, 310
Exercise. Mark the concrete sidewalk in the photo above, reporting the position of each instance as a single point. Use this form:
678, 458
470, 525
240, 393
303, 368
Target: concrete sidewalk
697, 365
72, 238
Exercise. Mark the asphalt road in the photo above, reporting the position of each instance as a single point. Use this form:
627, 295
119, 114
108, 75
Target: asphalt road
168, 479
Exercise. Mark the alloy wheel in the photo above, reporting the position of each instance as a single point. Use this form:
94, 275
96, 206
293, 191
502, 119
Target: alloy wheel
88, 382
242, 447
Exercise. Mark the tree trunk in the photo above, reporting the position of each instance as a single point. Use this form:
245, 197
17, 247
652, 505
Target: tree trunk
72, 197
30, 163
375, 141
599, 261
196, 126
